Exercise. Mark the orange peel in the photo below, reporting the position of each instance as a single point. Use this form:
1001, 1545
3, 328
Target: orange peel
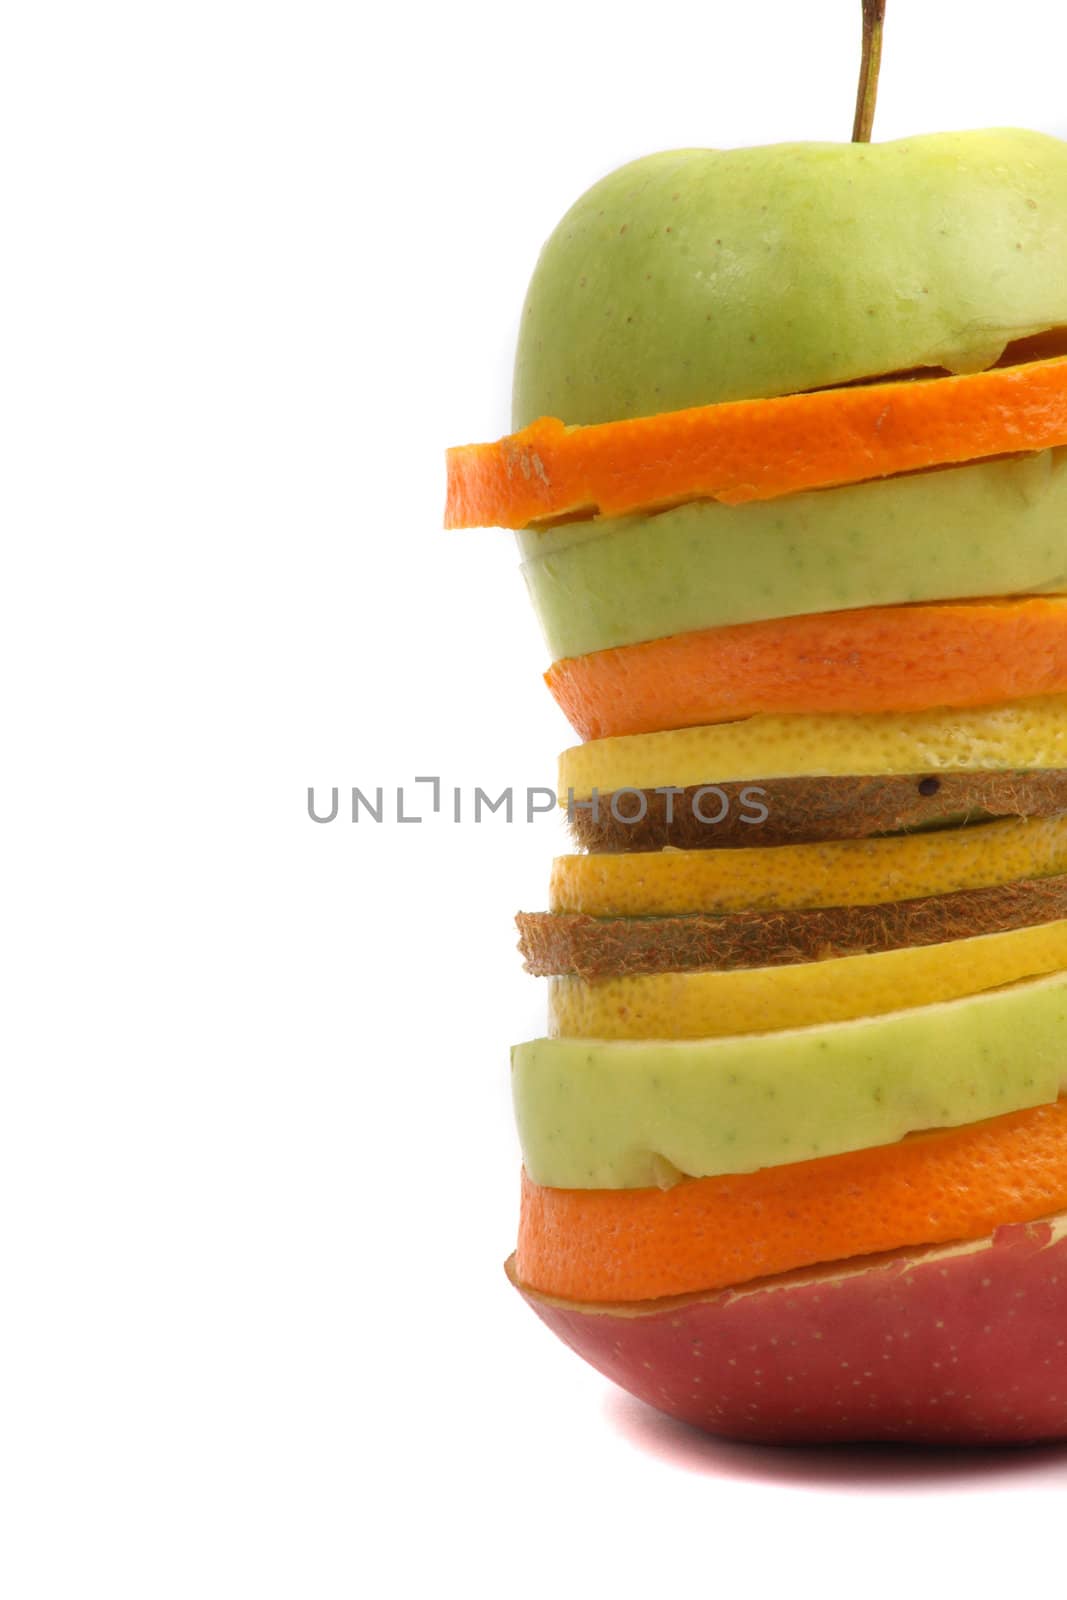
744, 450
882, 659
710, 1233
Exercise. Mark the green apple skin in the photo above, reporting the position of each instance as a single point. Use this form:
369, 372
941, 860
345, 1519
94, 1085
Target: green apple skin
696, 276
634, 1113
993, 529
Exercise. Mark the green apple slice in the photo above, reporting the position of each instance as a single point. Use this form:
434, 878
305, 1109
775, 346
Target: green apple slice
695, 276
998, 528
634, 1113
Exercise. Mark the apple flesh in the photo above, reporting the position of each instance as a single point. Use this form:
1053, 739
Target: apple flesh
962, 1344
626, 1113
997, 529
696, 276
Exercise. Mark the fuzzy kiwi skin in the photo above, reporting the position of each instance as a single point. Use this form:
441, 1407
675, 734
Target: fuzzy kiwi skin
812, 810
559, 944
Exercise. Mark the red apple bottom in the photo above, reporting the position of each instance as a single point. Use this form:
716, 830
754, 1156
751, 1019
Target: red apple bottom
962, 1344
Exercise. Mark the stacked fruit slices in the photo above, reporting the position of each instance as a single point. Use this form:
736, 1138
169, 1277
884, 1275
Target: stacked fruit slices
795, 1147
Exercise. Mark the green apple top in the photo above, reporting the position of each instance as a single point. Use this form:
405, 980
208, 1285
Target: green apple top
696, 276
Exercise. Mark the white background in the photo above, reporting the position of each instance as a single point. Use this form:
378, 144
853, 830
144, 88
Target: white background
260, 264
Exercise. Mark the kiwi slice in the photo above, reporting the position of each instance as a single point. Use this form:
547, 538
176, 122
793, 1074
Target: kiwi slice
808, 810
555, 944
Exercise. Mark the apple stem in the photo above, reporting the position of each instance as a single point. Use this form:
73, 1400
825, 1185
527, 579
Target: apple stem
871, 60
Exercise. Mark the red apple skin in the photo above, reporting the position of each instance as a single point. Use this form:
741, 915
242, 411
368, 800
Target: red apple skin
961, 1344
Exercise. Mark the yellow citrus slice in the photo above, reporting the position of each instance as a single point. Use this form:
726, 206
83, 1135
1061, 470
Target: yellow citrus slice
1017, 735
788, 877
709, 1005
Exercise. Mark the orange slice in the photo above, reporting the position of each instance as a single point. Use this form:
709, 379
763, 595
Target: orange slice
709, 1233
885, 658
755, 449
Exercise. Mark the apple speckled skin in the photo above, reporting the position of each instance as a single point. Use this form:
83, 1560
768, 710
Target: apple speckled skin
962, 1344
995, 527
697, 276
